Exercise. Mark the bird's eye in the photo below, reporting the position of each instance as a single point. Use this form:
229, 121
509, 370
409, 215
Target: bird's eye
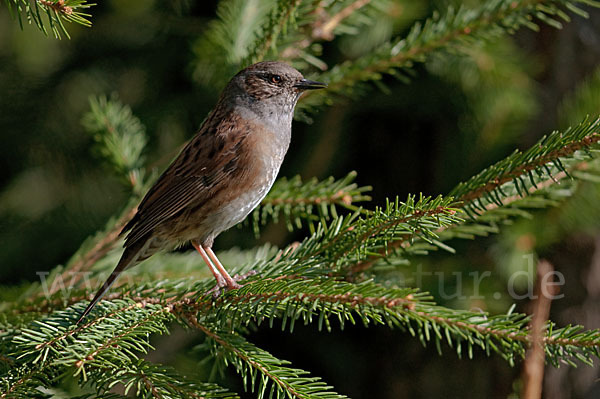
275, 79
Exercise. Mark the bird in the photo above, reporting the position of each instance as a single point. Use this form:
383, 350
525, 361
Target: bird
222, 173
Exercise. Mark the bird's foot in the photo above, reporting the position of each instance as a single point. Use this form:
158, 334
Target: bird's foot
224, 285
240, 277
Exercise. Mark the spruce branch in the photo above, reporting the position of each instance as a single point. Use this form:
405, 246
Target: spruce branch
572, 153
321, 300
120, 137
516, 171
49, 345
54, 342
523, 180
310, 201
276, 24
325, 30
57, 12
322, 22
407, 309
420, 217
469, 228
145, 379
354, 245
308, 300
227, 41
439, 34
263, 373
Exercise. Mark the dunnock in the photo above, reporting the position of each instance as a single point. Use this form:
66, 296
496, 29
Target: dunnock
222, 174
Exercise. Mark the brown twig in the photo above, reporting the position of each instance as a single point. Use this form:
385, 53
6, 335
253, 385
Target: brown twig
325, 31
533, 368
322, 28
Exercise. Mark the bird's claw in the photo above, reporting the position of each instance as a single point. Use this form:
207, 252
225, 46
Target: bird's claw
224, 286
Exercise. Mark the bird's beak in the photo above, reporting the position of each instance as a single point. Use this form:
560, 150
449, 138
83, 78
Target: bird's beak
306, 84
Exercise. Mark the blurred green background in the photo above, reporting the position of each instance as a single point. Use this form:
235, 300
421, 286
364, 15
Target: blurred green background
459, 114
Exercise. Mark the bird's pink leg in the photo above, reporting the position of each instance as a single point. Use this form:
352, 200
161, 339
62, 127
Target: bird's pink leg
220, 280
231, 283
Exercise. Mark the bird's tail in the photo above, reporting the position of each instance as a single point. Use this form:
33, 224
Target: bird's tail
130, 257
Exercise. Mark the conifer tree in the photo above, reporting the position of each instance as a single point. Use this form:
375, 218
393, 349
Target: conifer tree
339, 273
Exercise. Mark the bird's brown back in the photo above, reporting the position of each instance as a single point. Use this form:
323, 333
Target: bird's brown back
216, 166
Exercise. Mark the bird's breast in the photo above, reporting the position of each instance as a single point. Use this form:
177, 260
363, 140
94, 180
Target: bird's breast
257, 167
263, 156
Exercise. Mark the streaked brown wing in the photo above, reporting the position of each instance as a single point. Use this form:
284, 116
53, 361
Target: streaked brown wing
199, 171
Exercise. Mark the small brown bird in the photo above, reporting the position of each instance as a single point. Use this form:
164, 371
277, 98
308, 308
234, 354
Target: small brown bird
222, 174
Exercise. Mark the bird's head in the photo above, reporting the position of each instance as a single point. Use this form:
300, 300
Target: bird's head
272, 83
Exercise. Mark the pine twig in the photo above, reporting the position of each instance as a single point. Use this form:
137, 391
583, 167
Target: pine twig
471, 193
533, 368
193, 321
322, 28
404, 241
56, 12
433, 36
325, 31
263, 368
566, 151
278, 19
